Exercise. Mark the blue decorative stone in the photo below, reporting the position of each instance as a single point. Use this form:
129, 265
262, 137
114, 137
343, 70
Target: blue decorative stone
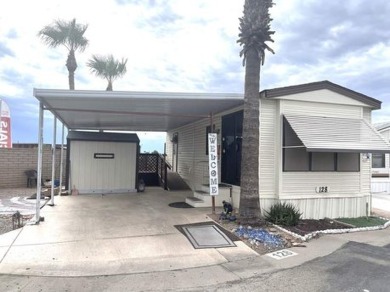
260, 235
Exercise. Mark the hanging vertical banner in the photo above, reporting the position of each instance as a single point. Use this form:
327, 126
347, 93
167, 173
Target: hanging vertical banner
5, 126
213, 164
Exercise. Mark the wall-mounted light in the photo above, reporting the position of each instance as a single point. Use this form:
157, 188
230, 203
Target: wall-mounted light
365, 157
175, 138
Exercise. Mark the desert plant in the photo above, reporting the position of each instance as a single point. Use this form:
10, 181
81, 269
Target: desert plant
285, 214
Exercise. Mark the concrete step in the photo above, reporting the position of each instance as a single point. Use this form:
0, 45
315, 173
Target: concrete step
203, 199
196, 202
223, 189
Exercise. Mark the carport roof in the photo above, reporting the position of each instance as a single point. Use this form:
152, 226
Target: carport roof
133, 111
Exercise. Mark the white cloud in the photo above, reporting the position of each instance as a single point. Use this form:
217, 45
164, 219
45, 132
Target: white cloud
177, 45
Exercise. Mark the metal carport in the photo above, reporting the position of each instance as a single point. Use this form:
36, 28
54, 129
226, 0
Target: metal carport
125, 111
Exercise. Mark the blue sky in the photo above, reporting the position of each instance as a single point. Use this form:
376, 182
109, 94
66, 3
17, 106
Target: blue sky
190, 46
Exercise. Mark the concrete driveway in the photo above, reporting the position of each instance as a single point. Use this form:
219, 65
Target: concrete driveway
381, 201
128, 242
89, 235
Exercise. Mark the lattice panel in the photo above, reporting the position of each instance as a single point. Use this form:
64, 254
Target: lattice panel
148, 163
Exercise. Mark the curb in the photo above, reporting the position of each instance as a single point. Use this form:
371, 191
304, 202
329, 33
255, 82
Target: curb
309, 236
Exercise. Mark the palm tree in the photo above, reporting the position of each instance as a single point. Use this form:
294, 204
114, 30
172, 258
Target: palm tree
107, 67
254, 32
69, 34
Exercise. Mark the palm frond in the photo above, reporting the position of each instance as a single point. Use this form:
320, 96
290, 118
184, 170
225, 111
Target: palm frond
107, 67
67, 33
255, 28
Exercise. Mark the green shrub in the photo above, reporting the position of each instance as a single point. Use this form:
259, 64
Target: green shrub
285, 214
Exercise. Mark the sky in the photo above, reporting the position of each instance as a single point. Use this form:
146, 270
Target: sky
190, 46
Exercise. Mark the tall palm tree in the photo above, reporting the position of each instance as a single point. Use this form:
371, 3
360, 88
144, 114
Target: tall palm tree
70, 35
108, 68
254, 33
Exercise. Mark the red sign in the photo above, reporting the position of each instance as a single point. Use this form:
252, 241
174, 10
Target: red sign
5, 126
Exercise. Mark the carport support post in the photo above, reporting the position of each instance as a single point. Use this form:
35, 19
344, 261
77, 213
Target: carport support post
39, 170
212, 131
61, 159
53, 161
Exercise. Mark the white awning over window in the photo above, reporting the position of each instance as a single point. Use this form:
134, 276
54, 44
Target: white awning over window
329, 134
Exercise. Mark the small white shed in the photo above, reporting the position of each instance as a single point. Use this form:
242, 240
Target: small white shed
100, 162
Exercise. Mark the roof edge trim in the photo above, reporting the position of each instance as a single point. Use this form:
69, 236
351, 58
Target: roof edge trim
294, 89
41, 93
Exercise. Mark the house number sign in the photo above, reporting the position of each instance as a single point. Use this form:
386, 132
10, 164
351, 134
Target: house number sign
281, 254
213, 164
324, 189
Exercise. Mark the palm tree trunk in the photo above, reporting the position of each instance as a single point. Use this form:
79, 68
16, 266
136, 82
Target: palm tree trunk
249, 196
71, 64
109, 86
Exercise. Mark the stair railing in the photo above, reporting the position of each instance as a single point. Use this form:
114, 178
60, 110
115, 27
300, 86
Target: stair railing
163, 166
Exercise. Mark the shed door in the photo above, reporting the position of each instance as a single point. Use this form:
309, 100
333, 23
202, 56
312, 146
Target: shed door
103, 167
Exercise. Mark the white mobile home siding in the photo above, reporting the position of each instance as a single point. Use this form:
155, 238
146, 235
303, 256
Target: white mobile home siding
269, 126
193, 161
367, 114
349, 191
324, 96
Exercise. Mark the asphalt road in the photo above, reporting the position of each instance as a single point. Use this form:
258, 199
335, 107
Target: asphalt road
354, 267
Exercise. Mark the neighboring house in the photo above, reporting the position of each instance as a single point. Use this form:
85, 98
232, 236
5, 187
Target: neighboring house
314, 145
380, 181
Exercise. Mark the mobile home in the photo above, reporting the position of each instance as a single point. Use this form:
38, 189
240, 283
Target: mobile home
315, 141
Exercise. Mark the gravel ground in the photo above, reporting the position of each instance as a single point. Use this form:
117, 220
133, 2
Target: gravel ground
260, 248
6, 222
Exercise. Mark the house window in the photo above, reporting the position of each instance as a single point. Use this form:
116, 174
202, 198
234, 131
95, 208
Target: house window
348, 161
323, 161
296, 158
378, 160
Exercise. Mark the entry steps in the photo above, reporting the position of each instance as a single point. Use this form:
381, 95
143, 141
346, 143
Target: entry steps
202, 198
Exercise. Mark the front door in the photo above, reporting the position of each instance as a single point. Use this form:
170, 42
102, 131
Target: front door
231, 148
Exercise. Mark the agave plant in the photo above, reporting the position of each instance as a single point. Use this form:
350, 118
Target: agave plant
285, 214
